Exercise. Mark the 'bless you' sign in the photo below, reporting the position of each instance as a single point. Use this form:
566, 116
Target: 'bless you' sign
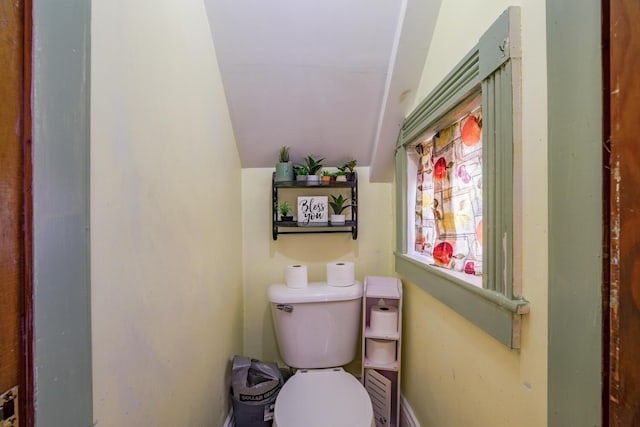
313, 210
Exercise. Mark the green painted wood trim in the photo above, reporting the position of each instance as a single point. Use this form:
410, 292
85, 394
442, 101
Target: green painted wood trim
455, 88
401, 199
517, 306
501, 42
497, 130
61, 259
493, 308
575, 213
490, 311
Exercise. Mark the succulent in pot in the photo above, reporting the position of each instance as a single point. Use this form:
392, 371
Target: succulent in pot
338, 205
349, 169
283, 208
301, 173
284, 168
313, 167
326, 176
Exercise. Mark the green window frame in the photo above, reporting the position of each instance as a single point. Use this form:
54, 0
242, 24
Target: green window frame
493, 69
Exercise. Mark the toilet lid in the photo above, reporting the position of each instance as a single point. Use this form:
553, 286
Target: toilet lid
323, 398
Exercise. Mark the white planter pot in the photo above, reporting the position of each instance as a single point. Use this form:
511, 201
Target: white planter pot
313, 180
336, 219
301, 178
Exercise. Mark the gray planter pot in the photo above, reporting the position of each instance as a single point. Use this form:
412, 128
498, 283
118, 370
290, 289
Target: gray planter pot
284, 172
313, 180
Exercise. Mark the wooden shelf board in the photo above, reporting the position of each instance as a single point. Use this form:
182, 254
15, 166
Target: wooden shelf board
383, 287
294, 224
369, 333
393, 366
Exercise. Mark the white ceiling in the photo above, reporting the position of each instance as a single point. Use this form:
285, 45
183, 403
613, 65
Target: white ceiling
329, 78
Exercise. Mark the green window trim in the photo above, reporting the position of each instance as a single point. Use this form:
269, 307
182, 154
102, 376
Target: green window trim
493, 69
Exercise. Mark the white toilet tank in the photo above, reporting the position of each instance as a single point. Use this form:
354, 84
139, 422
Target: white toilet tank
316, 326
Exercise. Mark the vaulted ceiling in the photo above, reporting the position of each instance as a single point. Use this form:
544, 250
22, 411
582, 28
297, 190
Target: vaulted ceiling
331, 78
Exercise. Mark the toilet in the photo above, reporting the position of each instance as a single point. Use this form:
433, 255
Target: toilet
317, 329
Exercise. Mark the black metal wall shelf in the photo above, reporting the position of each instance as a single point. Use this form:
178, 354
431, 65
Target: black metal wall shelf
292, 227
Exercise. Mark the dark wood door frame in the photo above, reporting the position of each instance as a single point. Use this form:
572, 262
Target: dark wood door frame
11, 197
606, 212
621, 373
16, 343
27, 376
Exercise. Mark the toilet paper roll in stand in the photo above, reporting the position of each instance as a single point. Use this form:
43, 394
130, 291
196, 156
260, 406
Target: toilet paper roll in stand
296, 276
340, 273
380, 351
384, 320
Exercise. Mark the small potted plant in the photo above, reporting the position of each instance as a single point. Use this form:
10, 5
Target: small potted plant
338, 206
313, 167
348, 168
284, 168
283, 208
341, 176
326, 176
301, 173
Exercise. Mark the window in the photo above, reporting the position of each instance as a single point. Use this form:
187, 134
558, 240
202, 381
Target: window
455, 173
445, 188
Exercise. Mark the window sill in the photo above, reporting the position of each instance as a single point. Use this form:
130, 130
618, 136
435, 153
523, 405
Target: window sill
459, 275
491, 311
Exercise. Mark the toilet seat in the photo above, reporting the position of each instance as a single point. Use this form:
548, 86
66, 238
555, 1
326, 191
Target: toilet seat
323, 398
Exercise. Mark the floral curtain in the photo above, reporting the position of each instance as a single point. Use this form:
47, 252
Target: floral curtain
449, 196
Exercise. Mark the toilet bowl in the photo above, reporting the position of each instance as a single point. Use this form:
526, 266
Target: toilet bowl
323, 398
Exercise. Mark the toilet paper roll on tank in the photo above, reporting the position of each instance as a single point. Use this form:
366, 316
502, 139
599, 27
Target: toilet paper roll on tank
340, 273
296, 276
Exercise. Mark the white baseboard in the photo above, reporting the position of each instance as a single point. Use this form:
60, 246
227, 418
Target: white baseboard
407, 417
229, 421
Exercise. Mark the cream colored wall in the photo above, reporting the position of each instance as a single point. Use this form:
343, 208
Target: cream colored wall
453, 373
265, 260
166, 233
